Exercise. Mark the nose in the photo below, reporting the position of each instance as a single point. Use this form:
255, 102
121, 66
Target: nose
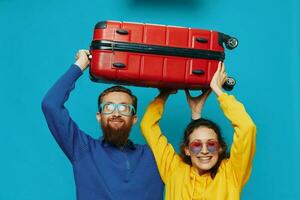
204, 150
116, 112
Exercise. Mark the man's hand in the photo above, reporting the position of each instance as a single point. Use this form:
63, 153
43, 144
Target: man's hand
218, 79
81, 59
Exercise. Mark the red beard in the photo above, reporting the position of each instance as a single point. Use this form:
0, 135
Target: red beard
117, 136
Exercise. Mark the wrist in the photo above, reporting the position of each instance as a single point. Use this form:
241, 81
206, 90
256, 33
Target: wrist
218, 91
163, 97
81, 64
196, 116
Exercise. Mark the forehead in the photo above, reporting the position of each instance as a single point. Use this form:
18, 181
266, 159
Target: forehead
203, 134
117, 97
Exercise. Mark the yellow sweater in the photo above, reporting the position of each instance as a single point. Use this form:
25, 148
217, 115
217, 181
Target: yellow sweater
182, 182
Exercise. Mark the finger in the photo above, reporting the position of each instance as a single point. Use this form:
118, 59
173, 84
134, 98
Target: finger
207, 92
204, 90
219, 66
224, 80
83, 52
222, 68
172, 91
187, 93
87, 52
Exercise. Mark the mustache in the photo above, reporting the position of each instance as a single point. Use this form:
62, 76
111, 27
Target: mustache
115, 118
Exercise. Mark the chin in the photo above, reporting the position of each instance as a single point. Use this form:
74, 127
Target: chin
204, 167
116, 126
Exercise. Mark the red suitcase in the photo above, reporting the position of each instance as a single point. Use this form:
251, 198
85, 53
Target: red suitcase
156, 55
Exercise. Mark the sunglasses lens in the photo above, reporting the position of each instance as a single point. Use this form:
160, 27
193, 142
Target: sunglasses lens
195, 147
125, 109
108, 108
212, 146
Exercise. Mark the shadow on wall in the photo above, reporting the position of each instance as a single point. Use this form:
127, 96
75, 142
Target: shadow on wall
168, 3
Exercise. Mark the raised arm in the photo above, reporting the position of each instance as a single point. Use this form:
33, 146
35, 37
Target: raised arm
164, 153
65, 131
243, 146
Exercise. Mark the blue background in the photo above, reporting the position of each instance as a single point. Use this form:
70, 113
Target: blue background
39, 40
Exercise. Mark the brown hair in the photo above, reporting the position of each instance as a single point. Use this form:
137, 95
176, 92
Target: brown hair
208, 124
119, 88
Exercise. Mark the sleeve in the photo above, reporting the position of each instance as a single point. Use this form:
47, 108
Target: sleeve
243, 146
164, 153
65, 131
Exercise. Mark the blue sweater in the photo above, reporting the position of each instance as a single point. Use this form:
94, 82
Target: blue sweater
101, 170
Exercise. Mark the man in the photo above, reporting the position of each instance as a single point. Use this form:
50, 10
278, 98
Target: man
111, 167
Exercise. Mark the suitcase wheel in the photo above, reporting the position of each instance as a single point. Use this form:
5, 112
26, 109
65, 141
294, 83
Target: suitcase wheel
229, 84
231, 43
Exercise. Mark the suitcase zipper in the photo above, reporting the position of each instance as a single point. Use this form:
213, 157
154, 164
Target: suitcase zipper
156, 49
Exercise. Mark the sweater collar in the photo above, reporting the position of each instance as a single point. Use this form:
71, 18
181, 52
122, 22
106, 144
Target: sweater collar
195, 173
129, 145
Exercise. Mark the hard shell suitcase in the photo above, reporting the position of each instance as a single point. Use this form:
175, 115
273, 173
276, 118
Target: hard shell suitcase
156, 55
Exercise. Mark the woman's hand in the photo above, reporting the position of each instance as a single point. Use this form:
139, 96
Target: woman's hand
218, 79
165, 92
196, 104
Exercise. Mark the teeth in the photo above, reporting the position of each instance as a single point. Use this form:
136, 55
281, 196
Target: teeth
205, 158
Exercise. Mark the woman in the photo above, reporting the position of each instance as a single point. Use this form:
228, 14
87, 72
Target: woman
203, 171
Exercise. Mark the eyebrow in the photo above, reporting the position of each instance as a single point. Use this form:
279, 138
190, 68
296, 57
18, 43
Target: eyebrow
205, 140
117, 103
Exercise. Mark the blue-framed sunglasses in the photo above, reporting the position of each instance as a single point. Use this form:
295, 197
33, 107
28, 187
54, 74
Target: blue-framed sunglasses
122, 108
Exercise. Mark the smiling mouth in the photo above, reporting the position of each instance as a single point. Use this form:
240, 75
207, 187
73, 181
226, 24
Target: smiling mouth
116, 121
205, 159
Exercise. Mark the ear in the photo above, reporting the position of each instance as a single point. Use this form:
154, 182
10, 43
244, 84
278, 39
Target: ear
134, 119
98, 117
221, 150
187, 151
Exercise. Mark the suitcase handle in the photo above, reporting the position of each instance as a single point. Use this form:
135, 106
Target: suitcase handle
157, 49
228, 85
201, 40
119, 65
122, 32
198, 71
